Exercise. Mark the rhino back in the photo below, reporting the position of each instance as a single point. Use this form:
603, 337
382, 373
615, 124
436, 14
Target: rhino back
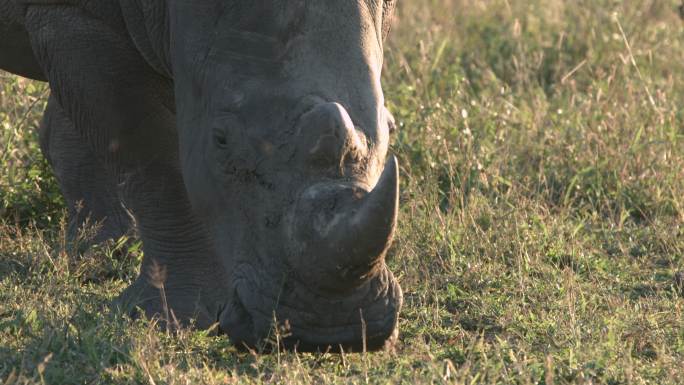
16, 54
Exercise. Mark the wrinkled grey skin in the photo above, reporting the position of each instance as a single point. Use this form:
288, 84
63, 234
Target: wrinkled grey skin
248, 138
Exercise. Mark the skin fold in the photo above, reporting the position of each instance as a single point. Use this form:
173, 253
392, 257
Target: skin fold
246, 142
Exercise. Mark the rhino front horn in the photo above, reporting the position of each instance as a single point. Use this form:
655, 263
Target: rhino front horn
342, 233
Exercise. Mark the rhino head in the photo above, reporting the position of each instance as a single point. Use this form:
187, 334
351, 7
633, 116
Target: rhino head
284, 145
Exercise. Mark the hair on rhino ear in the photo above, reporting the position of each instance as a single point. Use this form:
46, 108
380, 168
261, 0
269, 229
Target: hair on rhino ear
387, 16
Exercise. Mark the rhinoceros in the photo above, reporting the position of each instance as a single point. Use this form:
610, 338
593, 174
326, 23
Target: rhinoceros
246, 141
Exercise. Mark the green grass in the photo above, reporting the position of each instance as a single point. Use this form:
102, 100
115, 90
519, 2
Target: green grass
542, 153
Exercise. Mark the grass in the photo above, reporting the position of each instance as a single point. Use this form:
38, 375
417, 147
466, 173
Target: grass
542, 154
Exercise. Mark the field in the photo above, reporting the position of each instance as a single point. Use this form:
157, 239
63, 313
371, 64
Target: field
541, 145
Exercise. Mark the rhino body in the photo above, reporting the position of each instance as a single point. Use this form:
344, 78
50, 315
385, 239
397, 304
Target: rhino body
244, 140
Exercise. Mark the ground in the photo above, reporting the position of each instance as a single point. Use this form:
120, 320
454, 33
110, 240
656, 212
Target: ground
541, 145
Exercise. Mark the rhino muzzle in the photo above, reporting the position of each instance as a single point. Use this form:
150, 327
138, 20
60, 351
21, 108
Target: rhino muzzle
304, 320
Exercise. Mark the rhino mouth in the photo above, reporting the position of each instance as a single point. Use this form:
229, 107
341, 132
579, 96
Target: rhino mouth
291, 316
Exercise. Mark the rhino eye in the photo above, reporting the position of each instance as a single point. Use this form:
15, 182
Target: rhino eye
223, 134
220, 139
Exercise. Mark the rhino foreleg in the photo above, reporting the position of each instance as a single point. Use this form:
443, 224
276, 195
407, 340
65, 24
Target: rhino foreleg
89, 190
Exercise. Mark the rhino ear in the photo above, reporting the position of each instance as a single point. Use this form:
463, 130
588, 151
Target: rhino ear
388, 16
